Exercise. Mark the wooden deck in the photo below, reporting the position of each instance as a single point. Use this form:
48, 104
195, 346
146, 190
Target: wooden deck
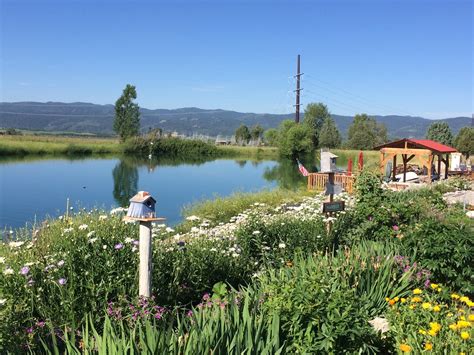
317, 181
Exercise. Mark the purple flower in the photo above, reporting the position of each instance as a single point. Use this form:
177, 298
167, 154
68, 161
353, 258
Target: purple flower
25, 270
118, 246
427, 283
62, 281
395, 228
40, 324
29, 330
206, 296
190, 313
135, 242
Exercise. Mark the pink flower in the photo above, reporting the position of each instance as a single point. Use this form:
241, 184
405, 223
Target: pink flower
25, 270
395, 228
62, 281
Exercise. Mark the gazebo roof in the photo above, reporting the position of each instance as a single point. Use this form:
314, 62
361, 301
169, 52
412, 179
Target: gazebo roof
434, 146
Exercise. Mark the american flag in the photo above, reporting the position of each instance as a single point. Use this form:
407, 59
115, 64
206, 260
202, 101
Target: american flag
303, 170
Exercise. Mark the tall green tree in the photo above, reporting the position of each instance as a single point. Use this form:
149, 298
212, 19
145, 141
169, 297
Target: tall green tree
242, 134
365, 133
294, 140
257, 132
329, 136
314, 116
127, 114
440, 132
464, 141
271, 137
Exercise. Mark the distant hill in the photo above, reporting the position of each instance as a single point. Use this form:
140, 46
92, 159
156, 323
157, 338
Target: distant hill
97, 119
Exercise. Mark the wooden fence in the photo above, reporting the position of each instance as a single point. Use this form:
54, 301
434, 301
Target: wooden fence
317, 181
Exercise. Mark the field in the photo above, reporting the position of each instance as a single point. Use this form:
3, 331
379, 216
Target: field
257, 273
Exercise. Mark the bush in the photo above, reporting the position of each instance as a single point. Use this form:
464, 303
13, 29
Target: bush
444, 245
325, 301
275, 241
170, 147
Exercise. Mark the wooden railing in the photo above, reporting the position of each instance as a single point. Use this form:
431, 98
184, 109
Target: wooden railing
317, 181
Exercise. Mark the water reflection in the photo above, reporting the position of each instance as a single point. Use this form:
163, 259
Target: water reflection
287, 175
125, 176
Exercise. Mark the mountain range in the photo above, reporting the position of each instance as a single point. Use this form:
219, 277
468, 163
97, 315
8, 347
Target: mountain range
81, 117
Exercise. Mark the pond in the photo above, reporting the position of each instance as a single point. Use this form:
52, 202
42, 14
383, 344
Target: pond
31, 190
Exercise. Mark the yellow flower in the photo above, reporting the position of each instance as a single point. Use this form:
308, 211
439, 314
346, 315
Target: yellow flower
421, 331
396, 299
433, 286
403, 300
405, 348
470, 303
417, 291
453, 327
462, 318
426, 305
465, 335
471, 317
464, 299
450, 314
416, 299
428, 346
411, 306
435, 328
463, 324
436, 308
387, 299
455, 296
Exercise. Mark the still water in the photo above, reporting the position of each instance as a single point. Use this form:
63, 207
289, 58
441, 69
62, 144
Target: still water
31, 190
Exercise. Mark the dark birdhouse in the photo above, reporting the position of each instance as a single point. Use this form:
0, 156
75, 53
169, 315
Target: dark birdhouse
142, 206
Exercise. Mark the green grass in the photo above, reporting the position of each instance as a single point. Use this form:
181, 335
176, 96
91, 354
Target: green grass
250, 152
43, 145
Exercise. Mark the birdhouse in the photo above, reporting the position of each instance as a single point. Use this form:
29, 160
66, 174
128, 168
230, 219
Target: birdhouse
142, 206
328, 162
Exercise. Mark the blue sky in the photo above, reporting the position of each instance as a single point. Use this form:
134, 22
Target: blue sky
376, 56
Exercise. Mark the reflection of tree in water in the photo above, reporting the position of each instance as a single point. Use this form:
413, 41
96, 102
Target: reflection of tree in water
125, 176
241, 163
287, 175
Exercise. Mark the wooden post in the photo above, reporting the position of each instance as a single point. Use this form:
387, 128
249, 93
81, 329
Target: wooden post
447, 166
331, 182
394, 168
430, 163
404, 158
145, 259
439, 166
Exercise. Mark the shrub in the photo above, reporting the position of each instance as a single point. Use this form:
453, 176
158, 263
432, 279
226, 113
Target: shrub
443, 244
275, 241
325, 301
170, 147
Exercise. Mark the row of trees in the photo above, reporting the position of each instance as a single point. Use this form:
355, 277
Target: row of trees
463, 142
317, 130
243, 135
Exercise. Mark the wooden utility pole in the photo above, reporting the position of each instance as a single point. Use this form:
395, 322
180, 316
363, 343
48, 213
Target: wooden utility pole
298, 76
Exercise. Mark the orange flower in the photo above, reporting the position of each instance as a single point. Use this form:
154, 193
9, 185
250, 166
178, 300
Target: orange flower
405, 348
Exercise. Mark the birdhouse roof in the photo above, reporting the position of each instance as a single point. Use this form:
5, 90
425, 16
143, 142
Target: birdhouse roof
141, 197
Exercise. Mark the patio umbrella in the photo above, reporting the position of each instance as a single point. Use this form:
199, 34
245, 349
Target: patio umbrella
360, 163
349, 167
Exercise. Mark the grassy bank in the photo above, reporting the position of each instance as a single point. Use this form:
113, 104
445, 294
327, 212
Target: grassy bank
22, 145
56, 145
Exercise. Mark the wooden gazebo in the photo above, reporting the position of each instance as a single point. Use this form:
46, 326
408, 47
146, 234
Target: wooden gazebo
426, 150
